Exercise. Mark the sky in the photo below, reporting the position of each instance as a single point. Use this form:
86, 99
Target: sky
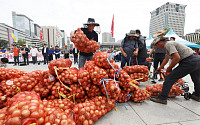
69, 15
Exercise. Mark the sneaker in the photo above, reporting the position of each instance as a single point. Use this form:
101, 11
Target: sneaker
160, 80
158, 100
196, 98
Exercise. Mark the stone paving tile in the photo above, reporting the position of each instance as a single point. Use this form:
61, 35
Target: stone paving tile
195, 122
154, 113
123, 117
191, 105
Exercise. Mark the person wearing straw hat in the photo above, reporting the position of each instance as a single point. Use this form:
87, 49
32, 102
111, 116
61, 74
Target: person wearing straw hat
159, 54
91, 35
189, 63
129, 48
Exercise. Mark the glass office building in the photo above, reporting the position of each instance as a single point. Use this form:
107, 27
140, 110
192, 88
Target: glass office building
169, 15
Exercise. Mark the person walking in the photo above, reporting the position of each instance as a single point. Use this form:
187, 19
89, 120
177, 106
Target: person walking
129, 48
34, 53
57, 52
91, 35
16, 55
51, 52
45, 53
75, 53
66, 52
188, 63
24, 52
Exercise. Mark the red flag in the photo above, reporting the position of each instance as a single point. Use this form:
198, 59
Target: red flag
112, 26
41, 35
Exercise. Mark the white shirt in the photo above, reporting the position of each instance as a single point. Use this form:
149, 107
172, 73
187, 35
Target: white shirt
45, 49
34, 51
75, 50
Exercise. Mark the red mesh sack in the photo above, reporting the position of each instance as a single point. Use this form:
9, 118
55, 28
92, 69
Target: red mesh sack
60, 64
100, 59
69, 76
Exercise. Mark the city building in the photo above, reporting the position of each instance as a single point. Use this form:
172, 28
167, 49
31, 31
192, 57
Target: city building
106, 37
23, 23
193, 37
6, 34
169, 15
64, 39
49, 36
197, 31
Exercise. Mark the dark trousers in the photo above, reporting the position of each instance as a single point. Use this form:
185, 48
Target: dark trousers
25, 59
158, 59
16, 60
82, 60
190, 65
45, 58
75, 59
57, 56
50, 57
66, 56
126, 61
34, 58
141, 61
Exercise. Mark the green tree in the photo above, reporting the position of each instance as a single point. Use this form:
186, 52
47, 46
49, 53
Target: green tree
21, 42
4, 43
166, 30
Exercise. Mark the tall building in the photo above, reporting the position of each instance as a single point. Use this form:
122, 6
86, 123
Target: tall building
106, 37
49, 36
23, 23
169, 15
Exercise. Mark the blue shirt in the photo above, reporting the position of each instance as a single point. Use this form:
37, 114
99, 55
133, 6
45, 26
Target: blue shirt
51, 51
129, 46
57, 51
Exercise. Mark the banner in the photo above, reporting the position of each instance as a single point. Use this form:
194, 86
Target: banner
59, 34
10, 38
13, 36
41, 35
112, 27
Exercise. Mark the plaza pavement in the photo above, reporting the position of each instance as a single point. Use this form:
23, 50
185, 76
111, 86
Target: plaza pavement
178, 111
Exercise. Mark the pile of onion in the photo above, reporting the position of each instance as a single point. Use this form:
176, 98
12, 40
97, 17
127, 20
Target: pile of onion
69, 76
59, 63
58, 88
136, 69
137, 72
123, 96
93, 91
25, 107
89, 112
124, 80
111, 71
28, 81
56, 116
84, 78
112, 88
100, 59
78, 90
142, 76
156, 89
3, 114
8, 88
83, 44
140, 95
63, 104
97, 74
10, 73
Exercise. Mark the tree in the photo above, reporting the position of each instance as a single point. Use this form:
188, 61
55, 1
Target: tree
166, 30
21, 42
4, 43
